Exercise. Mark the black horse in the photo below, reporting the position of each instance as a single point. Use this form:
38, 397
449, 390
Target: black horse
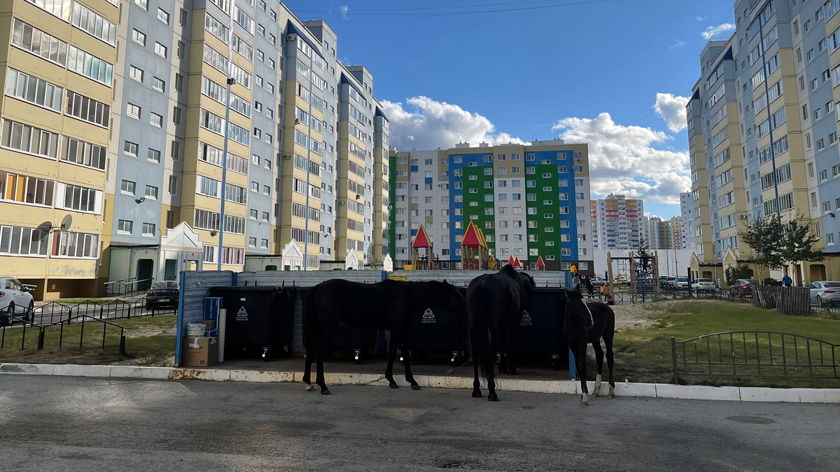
388, 305
494, 312
587, 323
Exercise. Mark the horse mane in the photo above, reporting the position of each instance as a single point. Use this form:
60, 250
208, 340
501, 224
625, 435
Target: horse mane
509, 271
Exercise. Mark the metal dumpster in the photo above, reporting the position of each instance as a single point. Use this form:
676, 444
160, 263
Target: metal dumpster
259, 320
540, 334
438, 330
345, 338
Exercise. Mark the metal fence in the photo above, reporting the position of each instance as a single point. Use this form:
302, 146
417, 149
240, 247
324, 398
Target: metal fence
754, 354
29, 333
53, 312
127, 287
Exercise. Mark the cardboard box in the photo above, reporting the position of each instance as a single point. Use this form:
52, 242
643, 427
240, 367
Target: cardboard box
200, 352
209, 325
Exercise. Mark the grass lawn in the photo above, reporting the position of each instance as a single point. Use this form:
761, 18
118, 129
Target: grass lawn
150, 341
644, 355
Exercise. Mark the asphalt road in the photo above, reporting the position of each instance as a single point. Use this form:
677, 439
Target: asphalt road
69, 424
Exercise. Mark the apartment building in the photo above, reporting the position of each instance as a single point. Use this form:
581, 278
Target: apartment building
617, 222
660, 233
180, 135
687, 232
763, 131
530, 201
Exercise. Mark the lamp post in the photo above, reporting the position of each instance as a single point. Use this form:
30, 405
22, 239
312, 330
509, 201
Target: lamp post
229, 82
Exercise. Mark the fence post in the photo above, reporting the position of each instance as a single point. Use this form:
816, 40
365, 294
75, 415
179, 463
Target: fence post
674, 359
41, 339
122, 344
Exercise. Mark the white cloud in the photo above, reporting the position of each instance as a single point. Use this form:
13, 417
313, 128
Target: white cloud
671, 108
345, 12
423, 123
623, 159
701, 18
713, 31
676, 45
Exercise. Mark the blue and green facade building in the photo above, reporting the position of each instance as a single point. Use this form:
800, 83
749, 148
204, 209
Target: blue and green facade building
530, 201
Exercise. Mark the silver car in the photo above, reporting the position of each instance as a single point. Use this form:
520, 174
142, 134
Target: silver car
825, 291
703, 285
15, 300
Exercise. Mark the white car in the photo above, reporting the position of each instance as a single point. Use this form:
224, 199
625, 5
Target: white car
703, 285
15, 299
826, 291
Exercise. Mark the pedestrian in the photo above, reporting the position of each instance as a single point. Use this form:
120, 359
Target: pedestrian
605, 291
589, 288
787, 280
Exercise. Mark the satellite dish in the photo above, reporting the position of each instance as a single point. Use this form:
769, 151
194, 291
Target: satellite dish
44, 229
66, 222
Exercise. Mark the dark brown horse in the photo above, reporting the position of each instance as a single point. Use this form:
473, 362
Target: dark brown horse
587, 323
494, 311
387, 305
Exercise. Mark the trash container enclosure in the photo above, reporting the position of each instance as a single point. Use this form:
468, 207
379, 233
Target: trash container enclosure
436, 329
541, 329
259, 320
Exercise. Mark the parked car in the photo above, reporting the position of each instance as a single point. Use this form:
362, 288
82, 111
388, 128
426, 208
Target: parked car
827, 291
681, 283
15, 300
742, 287
703, 285
668, 281
162, 294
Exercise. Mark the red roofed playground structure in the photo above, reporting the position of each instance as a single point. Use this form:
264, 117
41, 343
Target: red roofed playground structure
422, 241
474, 252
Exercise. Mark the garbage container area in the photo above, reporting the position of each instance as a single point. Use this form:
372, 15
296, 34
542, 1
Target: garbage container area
344, 337
541, 330
259, 320
438, 330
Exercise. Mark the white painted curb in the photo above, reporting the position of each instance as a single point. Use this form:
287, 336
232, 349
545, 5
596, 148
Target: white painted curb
647, 390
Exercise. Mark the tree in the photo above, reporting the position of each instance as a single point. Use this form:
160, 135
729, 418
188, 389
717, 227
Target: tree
730, 275
776, 243
644, 255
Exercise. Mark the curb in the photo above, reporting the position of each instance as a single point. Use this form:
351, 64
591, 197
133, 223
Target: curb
642, 390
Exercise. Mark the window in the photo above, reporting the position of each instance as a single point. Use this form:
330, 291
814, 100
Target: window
153, 155
88, 109
158, 85
16, 240
92, 23
130, 148
83, 153
39, 43
133, 111
148, 229
29, 139
34, 90
173, 185
160, 50
136, 74
139, 37
163, 16
156, 120
90, 66
125, 226
77, 245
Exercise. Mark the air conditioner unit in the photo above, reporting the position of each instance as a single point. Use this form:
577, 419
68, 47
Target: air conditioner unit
287, 156
743, 217
291, 37
297, 121
341, 202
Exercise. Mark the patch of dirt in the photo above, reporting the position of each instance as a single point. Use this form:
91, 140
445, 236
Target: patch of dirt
638, 315
145, 331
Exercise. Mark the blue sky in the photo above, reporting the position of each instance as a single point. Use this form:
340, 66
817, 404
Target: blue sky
584, 70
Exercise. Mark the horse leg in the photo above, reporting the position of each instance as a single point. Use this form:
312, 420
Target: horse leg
307, 369
599, 360
608, 341
406, 353
476, 358
319, 361
580, 363
392, 354
489, 368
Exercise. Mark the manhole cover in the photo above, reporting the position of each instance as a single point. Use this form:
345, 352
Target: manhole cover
751, 419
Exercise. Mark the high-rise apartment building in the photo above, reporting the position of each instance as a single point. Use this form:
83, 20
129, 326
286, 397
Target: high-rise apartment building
617, 222
530, 201
233, 117
762, 133
687, 231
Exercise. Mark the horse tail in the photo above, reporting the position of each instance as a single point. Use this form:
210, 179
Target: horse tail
481, 342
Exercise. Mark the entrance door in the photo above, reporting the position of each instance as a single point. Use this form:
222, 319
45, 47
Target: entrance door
145, 273
817, 272
170, 270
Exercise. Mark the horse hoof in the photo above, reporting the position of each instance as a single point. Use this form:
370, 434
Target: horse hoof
309, 388
476, 394
394, 386
584, 400
415, 387
493, 397
612, 392
326, 391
